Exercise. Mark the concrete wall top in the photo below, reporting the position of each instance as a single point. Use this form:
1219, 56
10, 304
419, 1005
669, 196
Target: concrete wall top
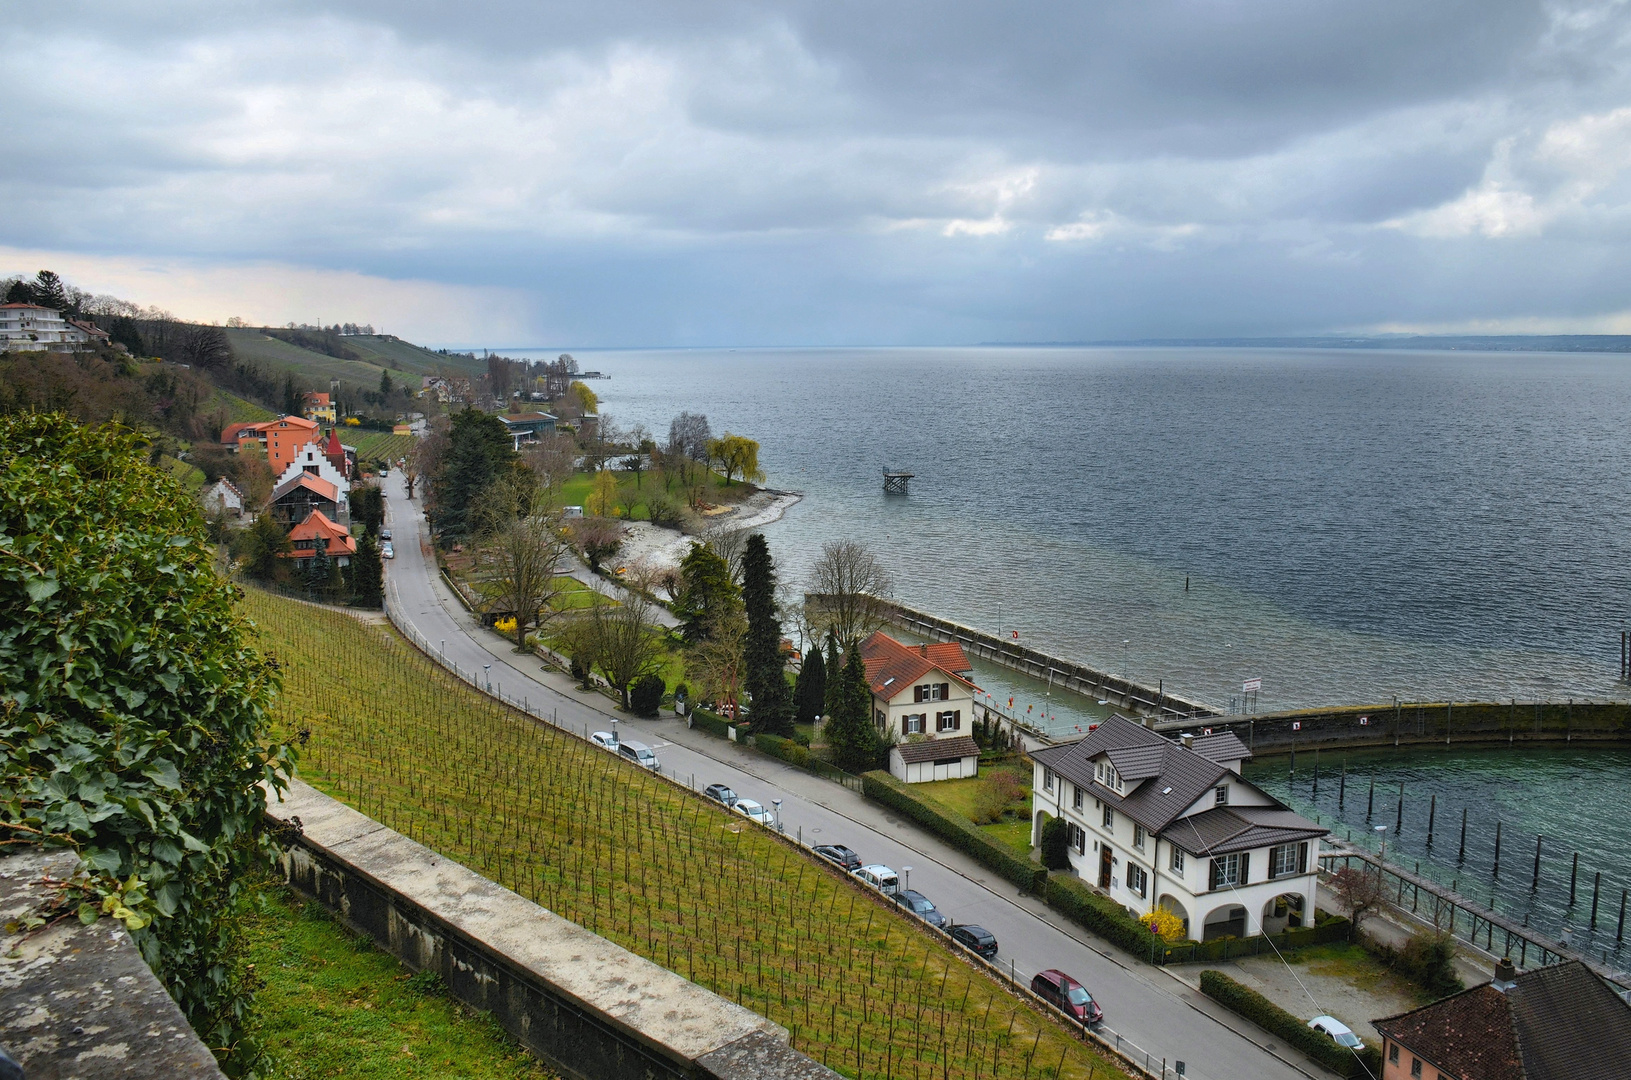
669, 1013
79, 1001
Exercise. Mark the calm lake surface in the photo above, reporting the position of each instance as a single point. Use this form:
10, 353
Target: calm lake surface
1351, 525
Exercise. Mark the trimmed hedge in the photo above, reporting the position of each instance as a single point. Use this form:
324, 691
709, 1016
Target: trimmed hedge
963, 835
707, 721
1335, 929
786, 749
1296, 1033
1104, 917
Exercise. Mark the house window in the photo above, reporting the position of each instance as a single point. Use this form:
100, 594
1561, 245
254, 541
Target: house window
1047, 778
879, 718
1223, 795
1075, 796
1288, 859
1415, 1066
1077, 837
1177, 860
1137, 880
912, 723
1109, 819
1229, 870
948, 721
931, 692
1138, 838
1393, 1053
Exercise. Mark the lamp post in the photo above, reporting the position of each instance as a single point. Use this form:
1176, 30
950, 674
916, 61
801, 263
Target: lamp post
1381, 831
905, 878
777, 803
487, 674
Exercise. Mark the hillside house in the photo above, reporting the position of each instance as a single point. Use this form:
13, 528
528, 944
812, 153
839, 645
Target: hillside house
318, 407
32, 328
223, 497
923, 697
1552, 1023
302, 495
1157, 822
283, 438
318, 529
529, 427
316, 459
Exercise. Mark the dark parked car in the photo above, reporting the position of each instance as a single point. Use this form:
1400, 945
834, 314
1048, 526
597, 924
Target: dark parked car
721, 793
1057, 988
977, 938
838, 853
921, 906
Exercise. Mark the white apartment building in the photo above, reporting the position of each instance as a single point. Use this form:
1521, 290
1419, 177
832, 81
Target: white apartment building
31, 328
1156, 822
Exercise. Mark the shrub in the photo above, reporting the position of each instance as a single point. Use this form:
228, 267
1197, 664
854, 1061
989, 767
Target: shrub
1428, 959
1103, 916
883, 788
646, 696
133, 708
786, 749
1275, 1020
1056, 844
708, 722
1164, 923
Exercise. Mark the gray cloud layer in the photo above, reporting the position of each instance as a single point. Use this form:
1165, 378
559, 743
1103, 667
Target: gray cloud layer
654, 173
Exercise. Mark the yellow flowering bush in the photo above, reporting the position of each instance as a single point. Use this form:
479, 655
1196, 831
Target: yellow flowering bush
505, 626
1165, 923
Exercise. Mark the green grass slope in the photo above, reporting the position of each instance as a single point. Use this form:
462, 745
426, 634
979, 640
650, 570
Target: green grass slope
383, 350
315, 367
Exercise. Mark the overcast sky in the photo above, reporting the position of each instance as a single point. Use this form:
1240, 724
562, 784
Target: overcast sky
653, 172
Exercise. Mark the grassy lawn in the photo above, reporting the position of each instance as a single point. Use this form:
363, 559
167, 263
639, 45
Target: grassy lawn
575, 492
962, 797
332, 1005
642, 862
1359, 968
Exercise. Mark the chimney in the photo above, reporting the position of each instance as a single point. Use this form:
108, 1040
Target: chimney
1188, 739
923, 650
1506, 975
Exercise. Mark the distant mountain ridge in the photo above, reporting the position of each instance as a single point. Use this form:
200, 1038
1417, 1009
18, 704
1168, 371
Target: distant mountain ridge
1608, 343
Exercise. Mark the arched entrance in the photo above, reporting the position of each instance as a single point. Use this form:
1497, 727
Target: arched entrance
1171, 903
1283, 913
1042, 817
1226, 921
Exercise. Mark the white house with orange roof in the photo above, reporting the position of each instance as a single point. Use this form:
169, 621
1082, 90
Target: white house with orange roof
32, 328
318, 529
923, 699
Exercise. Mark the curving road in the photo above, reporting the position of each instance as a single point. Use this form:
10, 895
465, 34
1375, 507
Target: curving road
1145, 1005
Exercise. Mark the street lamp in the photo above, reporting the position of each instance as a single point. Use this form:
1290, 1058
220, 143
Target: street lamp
487, 670
905, 878
777, 803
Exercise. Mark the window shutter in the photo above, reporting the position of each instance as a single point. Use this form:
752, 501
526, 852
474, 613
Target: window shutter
1213, 876
905, 725
1302, 857
957, 720
945, 691
917, 694
1245, 867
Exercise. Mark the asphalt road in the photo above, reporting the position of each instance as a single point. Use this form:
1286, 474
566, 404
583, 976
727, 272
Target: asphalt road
1144, 1004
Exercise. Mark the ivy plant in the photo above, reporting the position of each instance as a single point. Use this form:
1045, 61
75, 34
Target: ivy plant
133, 706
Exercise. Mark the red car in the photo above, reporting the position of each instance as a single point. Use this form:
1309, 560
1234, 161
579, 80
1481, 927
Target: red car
1057, 988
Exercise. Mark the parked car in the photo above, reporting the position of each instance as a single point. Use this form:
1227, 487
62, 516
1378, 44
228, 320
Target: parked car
722, 794
1340, 1033
839, 854
385, 534
1059, 989
921, 906
605, 740
878, 876
386, 551
755, 812
640, 754
977, 938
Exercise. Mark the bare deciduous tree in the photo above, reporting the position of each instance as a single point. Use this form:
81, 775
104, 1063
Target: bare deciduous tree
554, 459
628, 643
1361, 892
853, 589
718, 663
526, 554
728, 543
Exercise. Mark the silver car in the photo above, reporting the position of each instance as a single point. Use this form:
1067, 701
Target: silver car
639, 753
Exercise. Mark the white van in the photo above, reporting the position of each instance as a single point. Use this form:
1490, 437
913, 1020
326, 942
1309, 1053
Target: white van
639, 753
878, 876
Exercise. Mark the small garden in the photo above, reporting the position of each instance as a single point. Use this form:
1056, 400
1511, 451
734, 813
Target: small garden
998, 801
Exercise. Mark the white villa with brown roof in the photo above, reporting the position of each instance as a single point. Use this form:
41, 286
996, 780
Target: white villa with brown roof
922, 695
1156, 822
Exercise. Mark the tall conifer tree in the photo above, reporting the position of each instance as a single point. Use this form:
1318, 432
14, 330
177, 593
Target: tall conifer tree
762, 650
851, 738
809, 694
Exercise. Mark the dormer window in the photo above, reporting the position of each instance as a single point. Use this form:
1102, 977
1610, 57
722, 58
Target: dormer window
1222, 795
1106, 774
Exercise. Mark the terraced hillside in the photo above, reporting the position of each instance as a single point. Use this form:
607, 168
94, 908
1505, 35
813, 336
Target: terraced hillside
644, 862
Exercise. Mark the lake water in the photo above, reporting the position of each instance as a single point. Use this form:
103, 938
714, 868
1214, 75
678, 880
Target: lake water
1352, 526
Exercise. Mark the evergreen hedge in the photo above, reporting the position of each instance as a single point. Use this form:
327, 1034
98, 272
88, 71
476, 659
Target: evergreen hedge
1104, 917
646, 696
960, 834
777, 747
1294, 1032
704, 720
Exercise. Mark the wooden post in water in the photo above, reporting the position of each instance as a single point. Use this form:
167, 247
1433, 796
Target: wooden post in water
1574, 877
1342, 784
1371, 804
1461, 856
1316, 774
1535, 884
1497, 871
1398, 822
1432, 813
1619, 933
1596, 887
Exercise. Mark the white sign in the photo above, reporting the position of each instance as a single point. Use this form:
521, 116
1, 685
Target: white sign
1296, 725
1251, 686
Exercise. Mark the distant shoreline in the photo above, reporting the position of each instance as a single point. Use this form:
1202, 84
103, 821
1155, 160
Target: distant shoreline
1596, 343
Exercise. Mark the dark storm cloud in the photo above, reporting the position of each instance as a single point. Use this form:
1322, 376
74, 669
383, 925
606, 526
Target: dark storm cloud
814, 172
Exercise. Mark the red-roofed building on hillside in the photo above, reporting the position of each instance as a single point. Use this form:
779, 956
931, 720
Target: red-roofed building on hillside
302, 495
318, 529
923, 697
282, 438
319, 407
